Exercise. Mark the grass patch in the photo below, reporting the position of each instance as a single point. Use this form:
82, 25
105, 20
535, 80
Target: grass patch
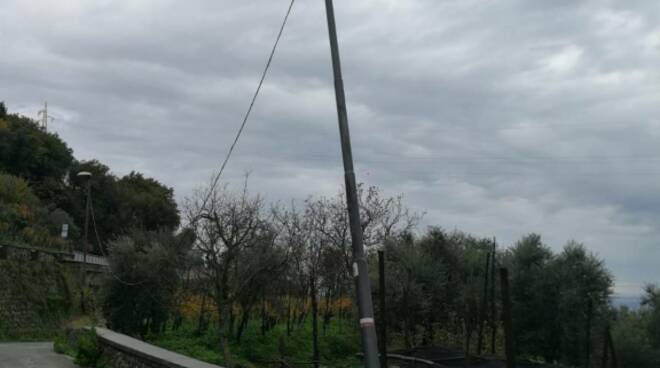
337, 346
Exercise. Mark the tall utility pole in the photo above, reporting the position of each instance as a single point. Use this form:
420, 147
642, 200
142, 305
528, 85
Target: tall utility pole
87, 176
360, 268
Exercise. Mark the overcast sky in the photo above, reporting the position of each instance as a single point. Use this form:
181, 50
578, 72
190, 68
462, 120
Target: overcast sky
499, 118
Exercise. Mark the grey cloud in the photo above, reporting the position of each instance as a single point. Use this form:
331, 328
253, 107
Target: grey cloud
499, 118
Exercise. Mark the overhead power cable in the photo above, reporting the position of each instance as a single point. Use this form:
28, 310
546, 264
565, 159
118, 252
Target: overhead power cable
216, 179
98, 241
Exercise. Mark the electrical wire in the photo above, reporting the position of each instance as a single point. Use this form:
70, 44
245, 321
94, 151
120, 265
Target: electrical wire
216, 179
249, 110
98, 241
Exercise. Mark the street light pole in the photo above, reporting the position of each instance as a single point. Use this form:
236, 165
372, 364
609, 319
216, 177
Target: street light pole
360, 268
87, 176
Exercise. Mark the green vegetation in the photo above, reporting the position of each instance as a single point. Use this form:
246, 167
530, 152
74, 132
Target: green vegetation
28, 152
146, 268
82, 345
286, 273
551, 298
37, 297
61, 346
121, 205
435, 291
246, 283
636, 332
23, 217
39, 191
88, 352
339, 345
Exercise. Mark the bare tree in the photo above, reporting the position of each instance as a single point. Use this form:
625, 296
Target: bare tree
309, 246
382, 218
227, 225
301, 231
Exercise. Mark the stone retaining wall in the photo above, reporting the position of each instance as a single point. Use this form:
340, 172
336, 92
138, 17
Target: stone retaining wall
18, 317
34, 296
24, 253
116, 358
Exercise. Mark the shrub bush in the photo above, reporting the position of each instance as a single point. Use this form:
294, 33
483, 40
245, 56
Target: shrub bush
61, 346
88, 351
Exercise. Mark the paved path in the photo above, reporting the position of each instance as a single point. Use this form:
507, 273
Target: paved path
32, 355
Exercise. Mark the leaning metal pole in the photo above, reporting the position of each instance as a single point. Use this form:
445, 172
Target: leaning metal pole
360, 269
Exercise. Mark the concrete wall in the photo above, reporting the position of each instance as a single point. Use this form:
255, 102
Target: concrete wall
121, 351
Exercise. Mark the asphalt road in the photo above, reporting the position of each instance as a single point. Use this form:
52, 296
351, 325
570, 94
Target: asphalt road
32, 355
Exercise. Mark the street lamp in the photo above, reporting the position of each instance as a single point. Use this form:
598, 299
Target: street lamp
86, 176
